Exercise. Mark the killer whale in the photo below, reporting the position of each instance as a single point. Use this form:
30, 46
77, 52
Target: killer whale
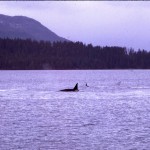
75, 89
86, 85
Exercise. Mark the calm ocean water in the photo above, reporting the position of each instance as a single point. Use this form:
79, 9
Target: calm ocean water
113, 113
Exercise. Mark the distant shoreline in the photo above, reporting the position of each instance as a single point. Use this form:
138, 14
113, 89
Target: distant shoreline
71, 69
18, 54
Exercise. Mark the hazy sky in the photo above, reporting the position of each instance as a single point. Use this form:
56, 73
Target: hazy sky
98, 22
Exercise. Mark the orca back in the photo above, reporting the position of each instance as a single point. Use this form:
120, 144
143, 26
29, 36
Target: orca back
71, 90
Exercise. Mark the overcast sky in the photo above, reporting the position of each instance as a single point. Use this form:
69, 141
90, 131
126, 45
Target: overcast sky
98, 22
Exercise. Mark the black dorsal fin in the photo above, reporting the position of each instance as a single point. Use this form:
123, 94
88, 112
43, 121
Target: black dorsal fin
76, 87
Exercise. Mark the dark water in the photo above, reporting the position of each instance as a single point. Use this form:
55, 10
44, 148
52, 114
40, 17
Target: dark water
113, 113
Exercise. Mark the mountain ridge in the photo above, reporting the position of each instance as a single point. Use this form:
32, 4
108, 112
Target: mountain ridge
26, 28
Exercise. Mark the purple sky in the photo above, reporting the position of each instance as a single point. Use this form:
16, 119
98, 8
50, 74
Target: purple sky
98, 22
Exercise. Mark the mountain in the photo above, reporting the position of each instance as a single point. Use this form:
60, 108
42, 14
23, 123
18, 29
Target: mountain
24, 28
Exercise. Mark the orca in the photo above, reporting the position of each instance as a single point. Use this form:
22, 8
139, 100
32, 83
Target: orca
86, 85
75, 89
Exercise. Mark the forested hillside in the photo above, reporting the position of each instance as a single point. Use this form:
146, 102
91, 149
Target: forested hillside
27, 54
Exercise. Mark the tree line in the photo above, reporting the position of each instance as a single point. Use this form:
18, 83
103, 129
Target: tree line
18, 54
